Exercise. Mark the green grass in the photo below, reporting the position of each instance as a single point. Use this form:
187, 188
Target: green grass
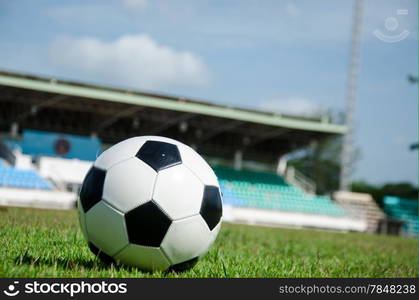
45, 243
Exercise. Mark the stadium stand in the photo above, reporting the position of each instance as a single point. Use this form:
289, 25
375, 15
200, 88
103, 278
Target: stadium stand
60, 158
360, 206
266, 198
66, 174
405, 210
69, 108
59, 126
22, 185
270, 191
254, 197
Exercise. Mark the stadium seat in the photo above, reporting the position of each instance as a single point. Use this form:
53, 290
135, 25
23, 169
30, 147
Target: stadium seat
405, 210
28, 179
269, 191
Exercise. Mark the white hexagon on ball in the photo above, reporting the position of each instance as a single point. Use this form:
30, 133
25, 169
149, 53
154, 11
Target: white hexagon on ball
119, 152
147, 258
186, 238
106, 228
129, 184
197, 165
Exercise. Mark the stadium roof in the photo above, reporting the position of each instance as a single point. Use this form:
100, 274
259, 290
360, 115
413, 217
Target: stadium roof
115, 114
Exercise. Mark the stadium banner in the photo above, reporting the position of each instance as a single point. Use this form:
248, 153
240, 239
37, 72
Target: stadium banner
142, 288
62, 145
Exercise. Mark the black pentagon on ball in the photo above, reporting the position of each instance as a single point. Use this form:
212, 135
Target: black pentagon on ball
211, 207
147, 225
159, 155
92, 189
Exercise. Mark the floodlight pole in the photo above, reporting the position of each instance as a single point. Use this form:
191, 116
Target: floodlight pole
351, 88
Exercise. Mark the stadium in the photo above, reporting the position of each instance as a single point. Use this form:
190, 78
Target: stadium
208, 139
275, 225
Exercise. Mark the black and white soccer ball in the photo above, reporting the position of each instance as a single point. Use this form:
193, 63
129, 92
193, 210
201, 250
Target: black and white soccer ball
150, 202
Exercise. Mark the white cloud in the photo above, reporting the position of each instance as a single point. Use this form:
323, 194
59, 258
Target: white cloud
292, 10
135, 5
134, 60
292, 106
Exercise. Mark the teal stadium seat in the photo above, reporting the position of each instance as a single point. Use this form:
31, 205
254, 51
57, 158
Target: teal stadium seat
266, 190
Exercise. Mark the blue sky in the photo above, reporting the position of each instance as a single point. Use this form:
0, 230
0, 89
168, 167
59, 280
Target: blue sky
289, 56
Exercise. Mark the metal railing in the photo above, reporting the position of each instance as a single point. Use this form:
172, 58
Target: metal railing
300, 180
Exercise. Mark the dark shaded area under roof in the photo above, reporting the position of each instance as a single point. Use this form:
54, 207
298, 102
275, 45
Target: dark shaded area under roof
114, 115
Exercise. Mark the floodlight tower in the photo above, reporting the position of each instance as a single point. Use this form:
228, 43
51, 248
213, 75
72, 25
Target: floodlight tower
351, 88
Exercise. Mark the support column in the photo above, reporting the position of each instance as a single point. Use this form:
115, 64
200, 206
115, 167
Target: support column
281, 167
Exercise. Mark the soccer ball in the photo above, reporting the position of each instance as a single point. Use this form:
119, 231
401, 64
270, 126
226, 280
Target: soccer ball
150, 202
